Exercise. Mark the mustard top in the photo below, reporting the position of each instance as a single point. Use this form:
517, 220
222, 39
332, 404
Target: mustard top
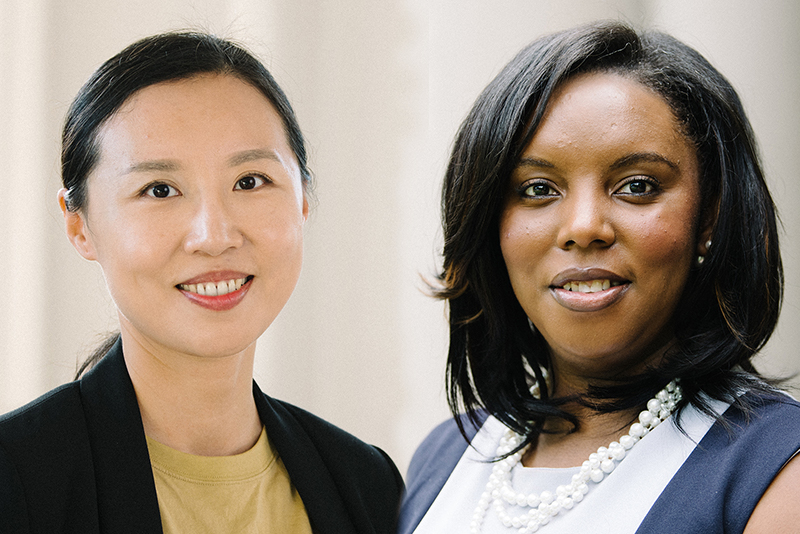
246, 493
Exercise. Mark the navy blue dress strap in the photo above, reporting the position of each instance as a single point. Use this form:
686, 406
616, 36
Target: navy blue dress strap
721, 482
431, 465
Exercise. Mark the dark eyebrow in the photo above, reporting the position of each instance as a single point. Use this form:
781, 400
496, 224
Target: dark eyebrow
535, 162
253, 155
630, 159
159, 165
642, 157
166, 165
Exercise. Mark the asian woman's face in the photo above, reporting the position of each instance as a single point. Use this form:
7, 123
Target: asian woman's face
195, 213
600, 225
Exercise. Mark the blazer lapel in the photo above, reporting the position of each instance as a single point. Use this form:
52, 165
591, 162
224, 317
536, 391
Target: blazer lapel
127, 500
307, 470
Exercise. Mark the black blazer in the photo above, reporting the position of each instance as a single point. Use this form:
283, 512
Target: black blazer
76, 460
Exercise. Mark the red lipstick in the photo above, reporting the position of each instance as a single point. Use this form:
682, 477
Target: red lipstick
203, 290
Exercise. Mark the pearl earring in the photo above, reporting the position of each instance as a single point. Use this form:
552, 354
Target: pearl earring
701, 258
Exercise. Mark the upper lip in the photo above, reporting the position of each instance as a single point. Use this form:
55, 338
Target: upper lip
215, 276
579, 274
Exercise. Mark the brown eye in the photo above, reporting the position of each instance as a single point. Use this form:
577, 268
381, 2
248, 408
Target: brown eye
538, 190
161, 191
250, 181
637, 187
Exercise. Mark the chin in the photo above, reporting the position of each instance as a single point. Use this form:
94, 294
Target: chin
217, 351
212, 345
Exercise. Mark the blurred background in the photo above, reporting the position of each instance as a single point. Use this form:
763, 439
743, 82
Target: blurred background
379, 88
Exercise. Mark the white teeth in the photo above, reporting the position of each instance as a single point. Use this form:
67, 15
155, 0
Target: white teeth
589, 286
212, 289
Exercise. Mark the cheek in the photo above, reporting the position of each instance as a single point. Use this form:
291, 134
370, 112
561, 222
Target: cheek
522, 241
280, 238
132, 248
287, 247
666, 242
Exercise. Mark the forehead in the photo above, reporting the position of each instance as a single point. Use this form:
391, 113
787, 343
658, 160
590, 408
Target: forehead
199, 122
199, 108
602, 106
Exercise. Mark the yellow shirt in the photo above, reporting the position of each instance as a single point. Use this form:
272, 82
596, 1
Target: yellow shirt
247, 493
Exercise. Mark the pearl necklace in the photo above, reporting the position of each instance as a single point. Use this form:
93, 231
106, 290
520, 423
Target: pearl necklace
547, 504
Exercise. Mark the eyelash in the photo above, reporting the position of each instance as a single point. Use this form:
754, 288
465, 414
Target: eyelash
148, 189
523, 190
652, 183
264, 179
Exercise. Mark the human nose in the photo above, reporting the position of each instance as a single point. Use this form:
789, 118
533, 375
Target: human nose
213, 228
585, 222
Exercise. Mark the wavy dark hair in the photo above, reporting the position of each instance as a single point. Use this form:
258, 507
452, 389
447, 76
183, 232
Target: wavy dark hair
156, 59
729, 306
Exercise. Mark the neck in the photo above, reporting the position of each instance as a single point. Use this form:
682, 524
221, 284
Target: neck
193, 404
562, 446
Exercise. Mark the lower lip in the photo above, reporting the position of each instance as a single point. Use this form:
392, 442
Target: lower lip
220, 302
589, 302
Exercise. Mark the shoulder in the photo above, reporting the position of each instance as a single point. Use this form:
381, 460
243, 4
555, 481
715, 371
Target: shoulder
763, 469
338, 445
444, 442
769, 422
729, 470
777, 510
42, 446
776, 415
45, 436
344, 483
54, 413
431, 465
753, 440
441, 449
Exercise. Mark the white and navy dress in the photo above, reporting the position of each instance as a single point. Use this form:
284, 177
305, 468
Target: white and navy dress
706, 480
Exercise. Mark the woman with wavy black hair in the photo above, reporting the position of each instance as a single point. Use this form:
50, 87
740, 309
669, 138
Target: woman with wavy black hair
185, 178
611, 263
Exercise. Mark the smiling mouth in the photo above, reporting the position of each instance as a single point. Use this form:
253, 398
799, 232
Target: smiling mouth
215, 289
590, 286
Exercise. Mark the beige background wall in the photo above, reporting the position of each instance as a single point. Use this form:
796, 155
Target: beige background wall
379, 88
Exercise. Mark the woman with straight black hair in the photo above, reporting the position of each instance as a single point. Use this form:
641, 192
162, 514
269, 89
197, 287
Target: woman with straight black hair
185, 178
611, 263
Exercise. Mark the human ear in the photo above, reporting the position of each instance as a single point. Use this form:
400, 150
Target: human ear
77, 231
305, 208
703, 244
705, 234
